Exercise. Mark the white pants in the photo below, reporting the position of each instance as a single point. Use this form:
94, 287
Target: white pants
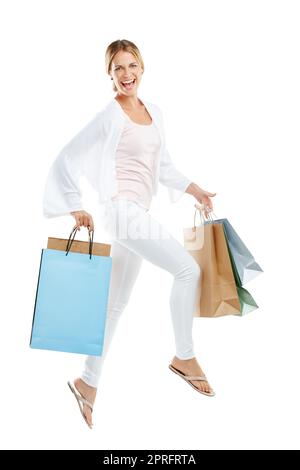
137, 235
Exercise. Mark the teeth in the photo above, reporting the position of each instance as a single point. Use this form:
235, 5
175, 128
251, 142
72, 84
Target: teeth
131, 81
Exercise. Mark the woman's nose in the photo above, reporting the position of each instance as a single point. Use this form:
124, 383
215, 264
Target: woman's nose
127, 72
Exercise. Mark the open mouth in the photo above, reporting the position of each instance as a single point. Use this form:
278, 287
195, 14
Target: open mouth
128, 85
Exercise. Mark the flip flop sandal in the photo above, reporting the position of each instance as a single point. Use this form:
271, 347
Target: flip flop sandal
81, 401
188, 378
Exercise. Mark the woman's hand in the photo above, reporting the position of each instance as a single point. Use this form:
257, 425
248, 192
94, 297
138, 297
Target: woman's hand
83, 218
202, 196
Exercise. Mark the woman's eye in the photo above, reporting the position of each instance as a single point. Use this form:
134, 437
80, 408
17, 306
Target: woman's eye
132, 65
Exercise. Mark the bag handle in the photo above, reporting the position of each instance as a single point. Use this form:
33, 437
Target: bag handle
201, 208
70, 241
201, 216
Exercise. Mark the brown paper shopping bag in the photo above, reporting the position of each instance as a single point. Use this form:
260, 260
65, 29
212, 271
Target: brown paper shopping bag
217, 293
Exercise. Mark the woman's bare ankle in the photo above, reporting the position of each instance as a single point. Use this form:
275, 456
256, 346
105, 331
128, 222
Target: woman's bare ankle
186, 361
87, 391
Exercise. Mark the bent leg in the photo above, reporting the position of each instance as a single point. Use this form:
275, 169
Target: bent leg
141, 233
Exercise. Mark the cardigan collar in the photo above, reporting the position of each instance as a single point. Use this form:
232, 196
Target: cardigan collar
147, 105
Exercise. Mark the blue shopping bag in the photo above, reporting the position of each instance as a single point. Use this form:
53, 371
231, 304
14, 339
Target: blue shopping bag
71, 299
246, 266
247, 302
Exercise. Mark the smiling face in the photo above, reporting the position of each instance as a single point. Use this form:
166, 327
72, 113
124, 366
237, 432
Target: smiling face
126, 72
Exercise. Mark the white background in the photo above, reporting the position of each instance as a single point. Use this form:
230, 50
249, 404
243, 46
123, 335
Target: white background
226, 76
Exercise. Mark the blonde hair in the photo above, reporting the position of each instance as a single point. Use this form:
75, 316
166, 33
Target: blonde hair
121, 45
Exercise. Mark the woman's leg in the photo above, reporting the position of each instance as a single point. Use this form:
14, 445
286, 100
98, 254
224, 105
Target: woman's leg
138, 231
125, 268
142, 234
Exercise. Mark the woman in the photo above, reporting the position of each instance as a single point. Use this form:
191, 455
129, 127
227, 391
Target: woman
123, 154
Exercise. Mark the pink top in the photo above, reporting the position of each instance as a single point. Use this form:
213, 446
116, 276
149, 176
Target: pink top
136, 157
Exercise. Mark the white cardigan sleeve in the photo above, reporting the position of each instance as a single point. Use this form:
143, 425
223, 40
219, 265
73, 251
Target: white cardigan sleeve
62, 193
169, 176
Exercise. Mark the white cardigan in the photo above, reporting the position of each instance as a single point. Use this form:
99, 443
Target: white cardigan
91, 153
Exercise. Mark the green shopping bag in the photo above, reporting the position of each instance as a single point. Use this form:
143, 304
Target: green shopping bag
247, 302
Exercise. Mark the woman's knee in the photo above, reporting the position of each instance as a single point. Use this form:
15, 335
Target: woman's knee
190, 271
196, 270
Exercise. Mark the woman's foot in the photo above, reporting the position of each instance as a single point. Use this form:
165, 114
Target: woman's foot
191, 367
89, 393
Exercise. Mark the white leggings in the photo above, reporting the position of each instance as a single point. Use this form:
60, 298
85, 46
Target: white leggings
137, 235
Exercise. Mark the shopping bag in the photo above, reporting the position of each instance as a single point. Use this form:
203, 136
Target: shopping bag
246, 266
71, 296
247, 302
194, 240
217, 292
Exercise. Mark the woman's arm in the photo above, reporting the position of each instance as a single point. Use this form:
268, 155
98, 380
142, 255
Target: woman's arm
202, 196
176, 181
62, 194
170, 176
